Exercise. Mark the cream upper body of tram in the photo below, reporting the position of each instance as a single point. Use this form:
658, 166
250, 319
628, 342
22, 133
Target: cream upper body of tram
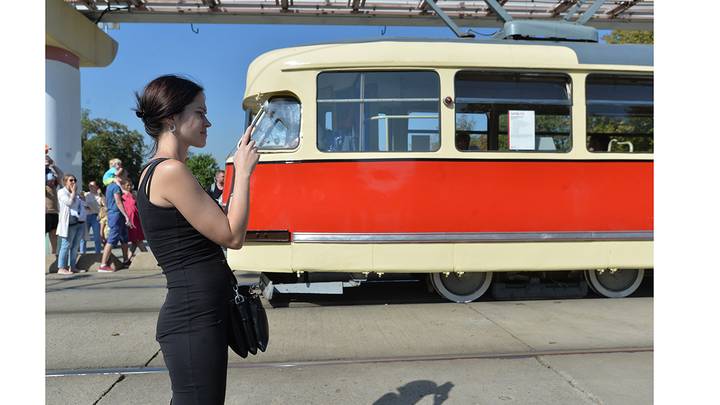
455, 158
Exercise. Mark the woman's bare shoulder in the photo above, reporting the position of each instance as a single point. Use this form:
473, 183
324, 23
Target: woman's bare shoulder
173, 170
167, 169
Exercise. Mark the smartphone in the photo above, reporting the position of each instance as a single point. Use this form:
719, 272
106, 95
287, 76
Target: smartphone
257, 117
278, 127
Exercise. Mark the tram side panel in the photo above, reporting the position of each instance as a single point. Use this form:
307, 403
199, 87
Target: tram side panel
445, 196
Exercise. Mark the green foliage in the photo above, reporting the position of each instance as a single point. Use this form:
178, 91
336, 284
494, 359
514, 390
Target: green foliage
637, 129
555, 126
103, 140
203, 167
629, 37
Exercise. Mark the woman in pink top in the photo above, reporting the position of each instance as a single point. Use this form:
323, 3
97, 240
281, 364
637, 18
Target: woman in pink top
135, 235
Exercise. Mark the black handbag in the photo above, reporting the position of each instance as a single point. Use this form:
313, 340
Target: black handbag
248, 331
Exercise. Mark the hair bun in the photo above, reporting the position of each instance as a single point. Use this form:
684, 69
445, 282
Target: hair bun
140, 114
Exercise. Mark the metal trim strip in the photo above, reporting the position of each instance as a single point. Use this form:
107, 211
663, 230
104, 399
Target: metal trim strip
471, 237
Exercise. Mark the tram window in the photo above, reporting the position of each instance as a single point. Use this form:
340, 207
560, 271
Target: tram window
471, 131
279, 128
484, 99
394, 111
619, 113
338, 85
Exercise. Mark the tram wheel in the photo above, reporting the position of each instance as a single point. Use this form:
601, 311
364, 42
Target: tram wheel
589, 283
619, 284
466, 288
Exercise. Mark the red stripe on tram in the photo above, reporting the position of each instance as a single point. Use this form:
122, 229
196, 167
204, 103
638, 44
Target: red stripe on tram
447, 196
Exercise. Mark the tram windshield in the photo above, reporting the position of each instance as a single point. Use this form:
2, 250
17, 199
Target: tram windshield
279, 127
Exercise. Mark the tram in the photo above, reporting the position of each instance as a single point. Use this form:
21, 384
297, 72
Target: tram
470, 163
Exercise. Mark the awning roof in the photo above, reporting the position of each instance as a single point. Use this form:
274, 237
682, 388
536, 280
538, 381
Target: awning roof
631, 14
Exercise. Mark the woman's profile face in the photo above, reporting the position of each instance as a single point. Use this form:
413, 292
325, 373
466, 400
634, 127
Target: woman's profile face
192, 123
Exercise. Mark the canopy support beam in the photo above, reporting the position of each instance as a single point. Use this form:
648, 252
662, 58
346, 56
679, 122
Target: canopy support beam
447, 19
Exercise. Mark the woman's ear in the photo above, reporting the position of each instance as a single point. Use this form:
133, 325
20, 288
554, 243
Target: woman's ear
169, 123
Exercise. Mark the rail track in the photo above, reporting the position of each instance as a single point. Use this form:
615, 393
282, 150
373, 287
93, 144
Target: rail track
394, 359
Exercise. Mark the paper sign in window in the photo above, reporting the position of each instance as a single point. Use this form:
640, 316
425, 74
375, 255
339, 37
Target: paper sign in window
521, 130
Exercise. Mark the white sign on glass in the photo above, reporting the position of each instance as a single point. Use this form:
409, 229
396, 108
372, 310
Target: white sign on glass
521, 130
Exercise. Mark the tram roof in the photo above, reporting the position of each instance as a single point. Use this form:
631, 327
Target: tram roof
444, 53
587, 53
452, 52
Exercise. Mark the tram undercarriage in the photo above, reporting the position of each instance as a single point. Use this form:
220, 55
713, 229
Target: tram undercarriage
467, 286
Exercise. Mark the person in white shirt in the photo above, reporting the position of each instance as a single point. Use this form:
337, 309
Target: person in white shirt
71, 224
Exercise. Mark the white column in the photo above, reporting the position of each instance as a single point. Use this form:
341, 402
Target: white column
62, 110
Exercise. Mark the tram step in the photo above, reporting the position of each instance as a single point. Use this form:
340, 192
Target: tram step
532, 290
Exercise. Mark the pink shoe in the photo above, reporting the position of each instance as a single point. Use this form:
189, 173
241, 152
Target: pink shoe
104, 269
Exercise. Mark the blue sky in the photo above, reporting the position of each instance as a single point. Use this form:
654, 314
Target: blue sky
217, 57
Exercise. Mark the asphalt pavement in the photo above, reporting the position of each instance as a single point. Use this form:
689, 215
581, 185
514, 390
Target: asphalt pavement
379, 344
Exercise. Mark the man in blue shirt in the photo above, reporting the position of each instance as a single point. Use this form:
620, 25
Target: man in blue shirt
118, 222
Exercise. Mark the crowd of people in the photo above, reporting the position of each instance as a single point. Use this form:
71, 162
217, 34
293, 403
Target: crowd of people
73, 215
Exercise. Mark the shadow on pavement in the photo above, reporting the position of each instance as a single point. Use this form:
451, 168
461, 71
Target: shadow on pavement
410, 292
371, 293
81, 276
412, 392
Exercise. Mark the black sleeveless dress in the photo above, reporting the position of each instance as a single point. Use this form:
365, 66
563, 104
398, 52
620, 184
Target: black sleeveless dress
192, 326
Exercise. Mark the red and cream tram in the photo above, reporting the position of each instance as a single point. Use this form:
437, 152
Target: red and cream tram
473, 162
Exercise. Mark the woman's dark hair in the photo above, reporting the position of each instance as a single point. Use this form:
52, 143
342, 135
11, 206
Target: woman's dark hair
164, 97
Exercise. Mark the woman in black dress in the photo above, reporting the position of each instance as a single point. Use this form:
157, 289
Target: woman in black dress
185, 230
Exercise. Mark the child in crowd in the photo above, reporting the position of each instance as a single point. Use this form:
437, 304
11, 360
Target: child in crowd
114, 171
135, 235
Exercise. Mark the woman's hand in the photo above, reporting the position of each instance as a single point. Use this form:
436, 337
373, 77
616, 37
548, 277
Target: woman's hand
246, 156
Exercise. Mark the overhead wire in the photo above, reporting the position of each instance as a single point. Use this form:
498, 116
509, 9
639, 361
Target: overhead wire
110, 9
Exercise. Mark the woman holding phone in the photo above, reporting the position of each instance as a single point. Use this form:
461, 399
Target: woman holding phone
186, 231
